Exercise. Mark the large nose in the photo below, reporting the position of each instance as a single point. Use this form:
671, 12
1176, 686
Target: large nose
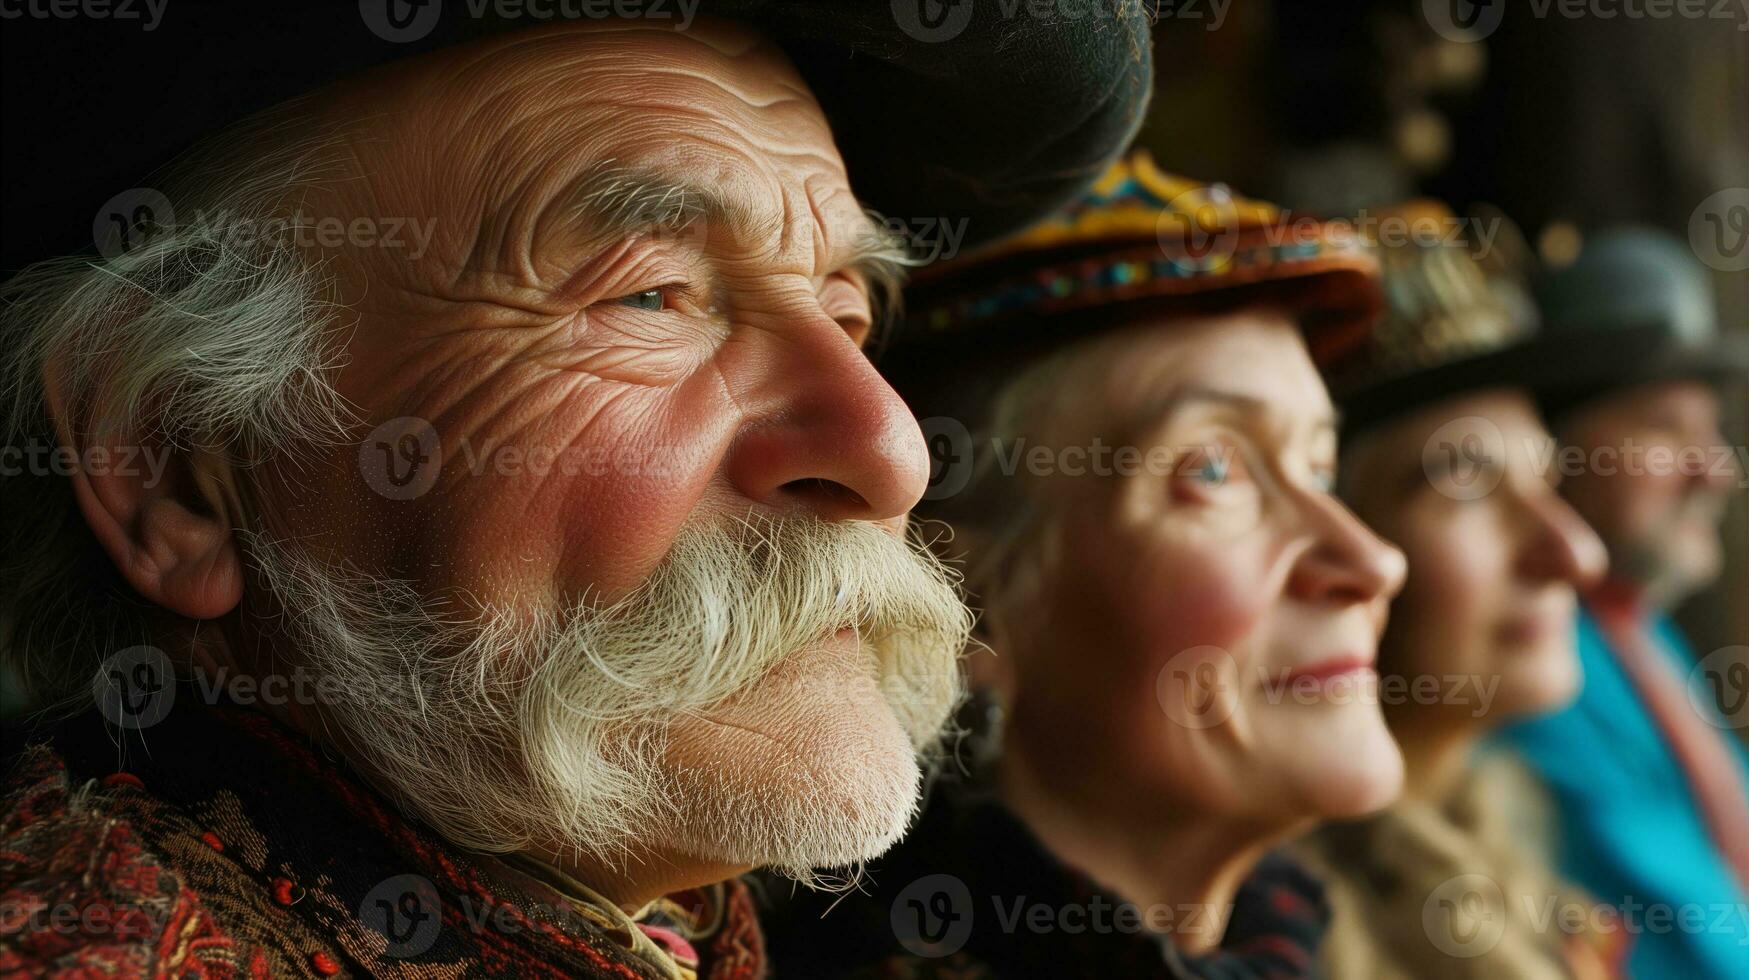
1719, 471
1560, 546
825, 434
1346, 563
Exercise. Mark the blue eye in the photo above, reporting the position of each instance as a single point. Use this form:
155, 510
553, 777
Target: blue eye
1214, 471
649, 299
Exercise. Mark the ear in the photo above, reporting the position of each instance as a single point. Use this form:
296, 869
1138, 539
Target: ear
164, 516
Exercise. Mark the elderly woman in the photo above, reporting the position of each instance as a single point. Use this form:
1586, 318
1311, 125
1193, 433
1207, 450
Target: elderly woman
1446, 456
1142, 491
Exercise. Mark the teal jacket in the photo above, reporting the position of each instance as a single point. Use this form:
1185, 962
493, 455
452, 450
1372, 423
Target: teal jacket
1630, 830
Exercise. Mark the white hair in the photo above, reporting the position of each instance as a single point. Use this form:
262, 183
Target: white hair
194, 337
1004, 524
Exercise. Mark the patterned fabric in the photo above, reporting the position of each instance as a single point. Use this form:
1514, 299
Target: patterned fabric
971, 894
1140, 233
1136, 199
217, 843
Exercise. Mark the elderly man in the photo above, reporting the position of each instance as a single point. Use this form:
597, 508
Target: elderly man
484, 605
1651, 792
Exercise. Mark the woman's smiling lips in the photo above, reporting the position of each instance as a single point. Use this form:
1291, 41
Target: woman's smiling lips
1341, 672
1337, 666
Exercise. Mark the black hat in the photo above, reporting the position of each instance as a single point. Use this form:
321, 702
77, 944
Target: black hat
984, 113
1635, 307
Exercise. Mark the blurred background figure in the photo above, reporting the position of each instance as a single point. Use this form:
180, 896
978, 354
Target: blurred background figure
1573, 119
1135, 458
1570, 117
1652, 793
1445, 455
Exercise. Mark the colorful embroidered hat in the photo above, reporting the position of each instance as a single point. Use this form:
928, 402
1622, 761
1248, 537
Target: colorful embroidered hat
1142, 235
1456, 319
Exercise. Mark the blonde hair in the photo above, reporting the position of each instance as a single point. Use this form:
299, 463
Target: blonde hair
1387, 874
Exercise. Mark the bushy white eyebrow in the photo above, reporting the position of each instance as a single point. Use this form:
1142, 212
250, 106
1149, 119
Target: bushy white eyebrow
613, 202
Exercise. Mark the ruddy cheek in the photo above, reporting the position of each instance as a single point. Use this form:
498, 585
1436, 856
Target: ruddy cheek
559, 485
1203, 601
1197, 645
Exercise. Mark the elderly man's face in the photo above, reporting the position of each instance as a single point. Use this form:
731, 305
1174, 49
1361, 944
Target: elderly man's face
639, 320
683, 375
1658, 475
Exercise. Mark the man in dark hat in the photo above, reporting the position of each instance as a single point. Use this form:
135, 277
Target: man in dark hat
455, 528
1652, 792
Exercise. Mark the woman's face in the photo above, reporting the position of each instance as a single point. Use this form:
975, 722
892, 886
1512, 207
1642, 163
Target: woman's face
1205, 626
1484, 630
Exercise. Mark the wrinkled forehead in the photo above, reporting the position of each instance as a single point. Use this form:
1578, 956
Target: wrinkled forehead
1251, 356
630, 69
526, 123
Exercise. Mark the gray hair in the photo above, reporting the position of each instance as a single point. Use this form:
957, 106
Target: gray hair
194, 337
1007, 523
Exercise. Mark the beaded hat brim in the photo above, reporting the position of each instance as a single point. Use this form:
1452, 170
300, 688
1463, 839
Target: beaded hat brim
1143, 235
